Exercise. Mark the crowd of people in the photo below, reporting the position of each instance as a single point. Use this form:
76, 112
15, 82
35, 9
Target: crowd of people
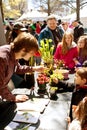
70, 45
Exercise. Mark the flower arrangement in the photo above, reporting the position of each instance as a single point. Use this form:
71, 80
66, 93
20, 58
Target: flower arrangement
59, 63
42, 80
46, 50
59, 76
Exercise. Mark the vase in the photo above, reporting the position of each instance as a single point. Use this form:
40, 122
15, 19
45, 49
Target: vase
42, 88
53, 93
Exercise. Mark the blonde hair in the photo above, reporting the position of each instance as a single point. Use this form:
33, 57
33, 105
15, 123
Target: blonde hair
64, 44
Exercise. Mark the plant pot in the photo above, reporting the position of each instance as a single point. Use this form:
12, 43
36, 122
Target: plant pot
42, 88
30, 80
53, 93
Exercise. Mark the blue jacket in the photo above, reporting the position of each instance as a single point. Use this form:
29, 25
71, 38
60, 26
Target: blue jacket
46, 33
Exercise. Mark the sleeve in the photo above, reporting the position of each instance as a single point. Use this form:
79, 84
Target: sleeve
65, 86
4, 91
21, 69
74, 125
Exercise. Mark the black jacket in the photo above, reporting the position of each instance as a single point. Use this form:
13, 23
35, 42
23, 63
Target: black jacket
78, 93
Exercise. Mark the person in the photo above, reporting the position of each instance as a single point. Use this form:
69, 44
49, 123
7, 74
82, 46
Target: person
51, 31
79, 87
65, 27
82, 48
80, 116
15, 31
38, 27
43, 25
67, 51
78, 29
24, 46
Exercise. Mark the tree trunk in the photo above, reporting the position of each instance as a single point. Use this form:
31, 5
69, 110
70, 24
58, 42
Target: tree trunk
78, 9
48, 3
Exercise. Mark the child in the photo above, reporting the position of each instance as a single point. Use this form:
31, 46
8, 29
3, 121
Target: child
82, 49
80, 113
79, 87
67, 51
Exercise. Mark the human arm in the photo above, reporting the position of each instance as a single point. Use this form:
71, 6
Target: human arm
4, 79
21, 69
63, 85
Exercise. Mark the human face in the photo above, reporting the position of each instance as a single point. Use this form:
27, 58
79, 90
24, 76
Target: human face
26, 55
65, 25
52, 24
78, 80
68, 40
81, 43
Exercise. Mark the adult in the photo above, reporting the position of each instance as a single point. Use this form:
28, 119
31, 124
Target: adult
65, 27
78, 29
24, 46
51, 31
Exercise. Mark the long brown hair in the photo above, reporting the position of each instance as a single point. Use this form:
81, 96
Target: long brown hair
64, 44
82, 112
26, 41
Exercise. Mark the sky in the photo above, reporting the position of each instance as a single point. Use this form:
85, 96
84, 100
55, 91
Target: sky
30, 5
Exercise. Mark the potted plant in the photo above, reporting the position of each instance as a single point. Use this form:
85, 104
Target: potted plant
53, 87
46, 51
42, 80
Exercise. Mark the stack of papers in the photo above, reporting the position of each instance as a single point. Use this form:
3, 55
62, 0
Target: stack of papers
37, 104
21, 91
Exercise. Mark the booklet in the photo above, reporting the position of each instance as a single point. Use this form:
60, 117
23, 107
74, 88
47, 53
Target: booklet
19, 126
37, 105
26, 117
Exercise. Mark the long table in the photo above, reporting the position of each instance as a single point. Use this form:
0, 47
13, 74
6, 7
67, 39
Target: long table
55, 113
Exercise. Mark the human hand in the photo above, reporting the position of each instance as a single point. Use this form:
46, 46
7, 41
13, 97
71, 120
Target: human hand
39, 68
21, 98
55, 80
68, 120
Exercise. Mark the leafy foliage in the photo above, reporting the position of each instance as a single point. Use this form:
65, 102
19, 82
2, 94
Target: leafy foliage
46, 50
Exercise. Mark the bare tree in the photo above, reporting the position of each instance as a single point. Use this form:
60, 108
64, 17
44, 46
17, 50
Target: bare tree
52, 6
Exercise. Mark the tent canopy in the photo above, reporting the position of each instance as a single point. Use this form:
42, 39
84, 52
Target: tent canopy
33, 15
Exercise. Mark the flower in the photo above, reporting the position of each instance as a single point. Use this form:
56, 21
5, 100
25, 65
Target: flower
55, 75
46, 50
42, 78
59, 63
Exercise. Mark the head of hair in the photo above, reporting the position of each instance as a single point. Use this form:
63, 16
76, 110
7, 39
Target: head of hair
64, 44
82, 72
25, 41
83, 50
82, 112
50, 17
